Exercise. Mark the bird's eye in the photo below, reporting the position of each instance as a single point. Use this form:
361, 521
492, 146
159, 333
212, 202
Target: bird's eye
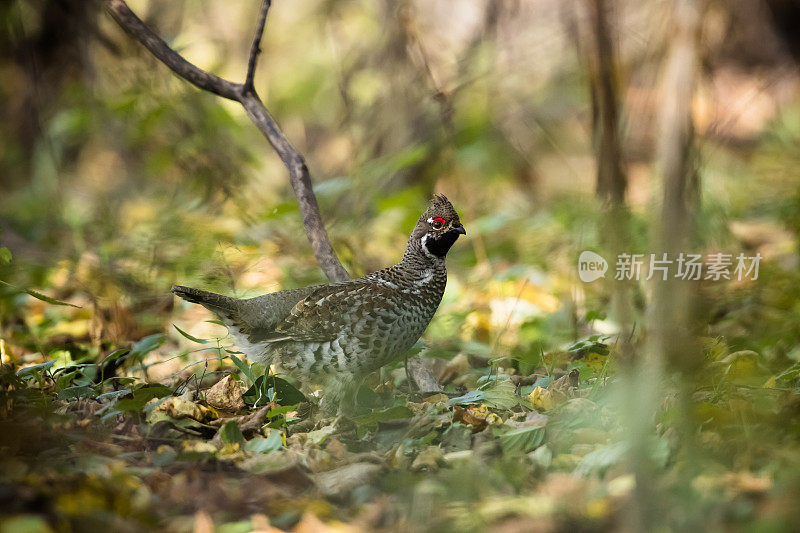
438, 223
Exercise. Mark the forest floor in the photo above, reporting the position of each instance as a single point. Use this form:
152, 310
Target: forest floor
99, 442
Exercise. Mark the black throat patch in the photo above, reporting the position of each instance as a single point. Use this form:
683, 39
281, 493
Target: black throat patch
439, 246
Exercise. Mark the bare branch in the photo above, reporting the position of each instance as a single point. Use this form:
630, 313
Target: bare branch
246, 95
301, 183
194, 75
255, 48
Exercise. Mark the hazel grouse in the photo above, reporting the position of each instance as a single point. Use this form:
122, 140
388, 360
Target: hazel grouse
339, 332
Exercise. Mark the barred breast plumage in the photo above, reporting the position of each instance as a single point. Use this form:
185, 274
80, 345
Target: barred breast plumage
351, 328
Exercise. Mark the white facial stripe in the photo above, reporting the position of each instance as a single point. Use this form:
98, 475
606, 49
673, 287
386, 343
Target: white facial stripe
423, 240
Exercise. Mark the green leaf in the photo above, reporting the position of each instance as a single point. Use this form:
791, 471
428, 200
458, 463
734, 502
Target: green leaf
499, 394
241, 365
318, 436
594, 314
273, 442
75, 392
147, 345
602, 458
143, 395
112, 357
279, 418
40, 296
231, 434
280, 411
257, 395
5, 255
522, 440
191, 337
474, 396
62, 358
35, 369
593, 345
113, 394
65, 379
45, 298
268, 388
284, 392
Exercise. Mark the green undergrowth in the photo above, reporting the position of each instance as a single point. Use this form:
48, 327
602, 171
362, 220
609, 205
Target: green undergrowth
91, 441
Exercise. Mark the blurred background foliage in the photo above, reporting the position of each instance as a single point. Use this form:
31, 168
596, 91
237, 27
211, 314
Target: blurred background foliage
117, 180
120, 179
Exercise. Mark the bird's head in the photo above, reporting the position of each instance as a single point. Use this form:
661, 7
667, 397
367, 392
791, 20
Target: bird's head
438, 227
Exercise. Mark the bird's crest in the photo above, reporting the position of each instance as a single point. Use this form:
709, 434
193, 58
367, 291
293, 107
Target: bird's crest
440, 206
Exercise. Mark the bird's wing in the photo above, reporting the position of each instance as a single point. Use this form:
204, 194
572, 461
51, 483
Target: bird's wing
331, 310
257, 318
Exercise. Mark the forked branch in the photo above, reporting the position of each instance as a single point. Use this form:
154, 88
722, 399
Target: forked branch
245, 94
199, 78
255, 48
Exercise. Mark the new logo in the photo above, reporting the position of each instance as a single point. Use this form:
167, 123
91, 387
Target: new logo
591, 266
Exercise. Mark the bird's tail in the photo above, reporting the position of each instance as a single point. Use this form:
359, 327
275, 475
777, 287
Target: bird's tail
217, 303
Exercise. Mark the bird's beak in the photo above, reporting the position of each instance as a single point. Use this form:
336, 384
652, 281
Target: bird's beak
458, 228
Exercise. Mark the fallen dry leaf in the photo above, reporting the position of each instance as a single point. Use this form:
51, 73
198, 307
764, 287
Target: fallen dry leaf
436, 398
477, 416
226, 394
534, 419
566, 383
198, 446
248, 424
178, 407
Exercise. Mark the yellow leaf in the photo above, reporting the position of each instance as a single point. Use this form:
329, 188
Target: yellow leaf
436, 398
542, 399
494, 419
480, 410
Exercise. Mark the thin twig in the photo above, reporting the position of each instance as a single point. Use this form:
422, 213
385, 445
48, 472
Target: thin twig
301, 184
196, 76
246, 95
255, 48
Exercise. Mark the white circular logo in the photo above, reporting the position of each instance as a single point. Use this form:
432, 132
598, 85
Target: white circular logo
591, 266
